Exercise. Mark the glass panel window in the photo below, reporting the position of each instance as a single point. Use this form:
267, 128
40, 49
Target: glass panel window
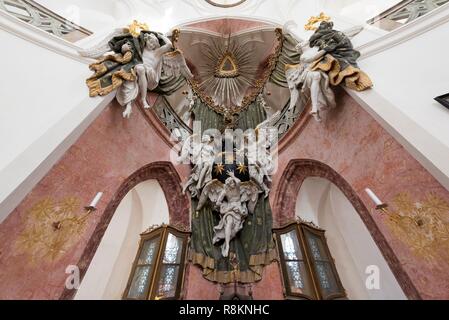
159, 266
290, 246
140, 282
169, 274
322, 262
149, 251
168, 281
307, 266
173, 249
297, 277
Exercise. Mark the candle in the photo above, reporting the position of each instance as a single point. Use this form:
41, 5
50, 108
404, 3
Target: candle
96, 200
373, 197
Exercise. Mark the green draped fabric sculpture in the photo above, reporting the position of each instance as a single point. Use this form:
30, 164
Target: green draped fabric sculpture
253, 248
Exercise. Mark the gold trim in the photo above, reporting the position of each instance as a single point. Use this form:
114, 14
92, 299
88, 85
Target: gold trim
135, 28
310, 26
94, 82
353, 77
256, 265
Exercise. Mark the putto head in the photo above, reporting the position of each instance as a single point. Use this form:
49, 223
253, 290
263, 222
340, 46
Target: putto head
126, 47
151, 41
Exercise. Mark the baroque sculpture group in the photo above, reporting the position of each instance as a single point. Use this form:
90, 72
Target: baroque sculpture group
230, 178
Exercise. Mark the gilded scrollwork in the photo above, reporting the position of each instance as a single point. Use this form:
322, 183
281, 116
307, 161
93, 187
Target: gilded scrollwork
52, 228
423, 226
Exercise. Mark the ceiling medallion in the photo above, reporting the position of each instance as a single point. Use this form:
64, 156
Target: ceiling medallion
227, 67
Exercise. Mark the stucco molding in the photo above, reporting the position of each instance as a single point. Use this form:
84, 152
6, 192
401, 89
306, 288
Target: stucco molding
39, 37
409, 31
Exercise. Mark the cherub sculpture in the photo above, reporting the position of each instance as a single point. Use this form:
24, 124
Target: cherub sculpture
233, 200
136, 67
260, 159
313, 83
327, 59
202, 156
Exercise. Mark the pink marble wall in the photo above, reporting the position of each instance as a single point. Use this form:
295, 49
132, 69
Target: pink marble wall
108, 152
353, 144
198, 288
269, 288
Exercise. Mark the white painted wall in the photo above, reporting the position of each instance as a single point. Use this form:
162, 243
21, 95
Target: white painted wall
35, 79
349, 241
108, 273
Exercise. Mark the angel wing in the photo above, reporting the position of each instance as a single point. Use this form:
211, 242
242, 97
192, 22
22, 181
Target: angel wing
187, 149
269, 130
174, 64
102, 47
211, 191
249, 192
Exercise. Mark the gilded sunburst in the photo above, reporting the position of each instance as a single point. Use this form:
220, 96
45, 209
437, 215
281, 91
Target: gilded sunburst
219, 169
51, 229
421, 226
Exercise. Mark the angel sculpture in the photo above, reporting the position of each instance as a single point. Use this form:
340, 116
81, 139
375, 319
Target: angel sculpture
327, 59
234, 200
202, 156
314, 83
138, 64
260, 160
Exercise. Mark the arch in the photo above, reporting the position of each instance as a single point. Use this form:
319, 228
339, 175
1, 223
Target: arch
178, 208
293, 178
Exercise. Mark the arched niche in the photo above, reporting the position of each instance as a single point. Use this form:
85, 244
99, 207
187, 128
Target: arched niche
106, 278
349, 241
151, 195
330, 192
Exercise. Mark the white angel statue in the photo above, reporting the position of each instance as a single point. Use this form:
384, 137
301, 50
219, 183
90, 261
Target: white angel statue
234, 200
135, 68
202, 156
314, 83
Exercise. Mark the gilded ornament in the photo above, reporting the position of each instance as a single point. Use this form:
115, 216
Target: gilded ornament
310, 26
135, 28
52, 228
422, 226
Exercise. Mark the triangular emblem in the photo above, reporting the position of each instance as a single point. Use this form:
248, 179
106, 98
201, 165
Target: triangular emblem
227, 67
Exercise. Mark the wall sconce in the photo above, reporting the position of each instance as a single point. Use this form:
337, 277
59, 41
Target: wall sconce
379, 204
397, 218
93, 204
57, 225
